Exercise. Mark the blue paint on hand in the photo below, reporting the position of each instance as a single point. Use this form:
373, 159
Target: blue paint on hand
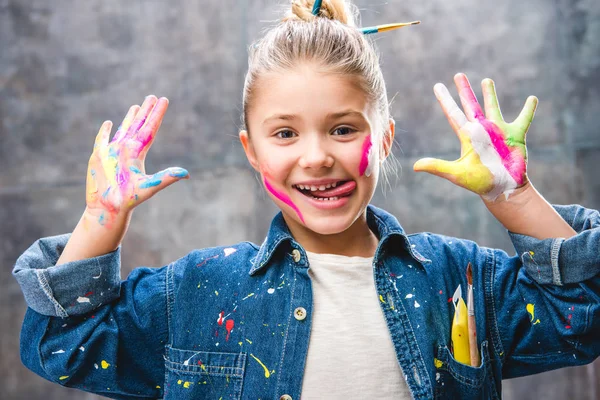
178, 172
150, 183
135, 170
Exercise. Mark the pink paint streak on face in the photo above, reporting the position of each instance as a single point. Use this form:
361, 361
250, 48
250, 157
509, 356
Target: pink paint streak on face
364, 160
284, 198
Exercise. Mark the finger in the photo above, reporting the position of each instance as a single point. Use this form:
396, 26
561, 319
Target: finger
148, 131
490, 100
103, 134
454, 114
524, 119
152, 184
142, 115
467, 97
442, 168
122, 130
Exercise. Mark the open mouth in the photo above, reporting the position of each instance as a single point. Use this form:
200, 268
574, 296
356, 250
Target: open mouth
329, 192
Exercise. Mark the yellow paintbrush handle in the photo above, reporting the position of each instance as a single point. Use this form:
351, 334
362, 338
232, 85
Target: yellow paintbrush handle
460, 334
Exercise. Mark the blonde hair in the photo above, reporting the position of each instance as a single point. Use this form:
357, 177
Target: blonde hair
329, 39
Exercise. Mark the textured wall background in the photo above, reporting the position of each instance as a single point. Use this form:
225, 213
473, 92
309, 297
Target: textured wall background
65, 66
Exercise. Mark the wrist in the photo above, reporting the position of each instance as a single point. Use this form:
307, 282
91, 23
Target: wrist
519, 198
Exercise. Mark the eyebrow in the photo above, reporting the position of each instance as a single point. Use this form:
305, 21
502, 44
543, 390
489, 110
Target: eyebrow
291, 117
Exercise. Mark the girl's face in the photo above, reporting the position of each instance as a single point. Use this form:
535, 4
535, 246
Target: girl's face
313, 141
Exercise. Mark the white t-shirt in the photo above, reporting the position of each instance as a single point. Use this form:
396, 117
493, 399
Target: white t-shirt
350, 353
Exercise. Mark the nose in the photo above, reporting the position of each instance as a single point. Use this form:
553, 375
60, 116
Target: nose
316, 154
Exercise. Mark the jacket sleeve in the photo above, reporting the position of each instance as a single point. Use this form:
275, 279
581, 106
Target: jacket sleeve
86, 329
546, 299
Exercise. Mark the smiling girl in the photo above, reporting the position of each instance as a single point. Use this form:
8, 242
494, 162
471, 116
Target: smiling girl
338, 301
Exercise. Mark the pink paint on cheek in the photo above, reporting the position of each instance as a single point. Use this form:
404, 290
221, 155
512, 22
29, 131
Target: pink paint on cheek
364, 160
283, 197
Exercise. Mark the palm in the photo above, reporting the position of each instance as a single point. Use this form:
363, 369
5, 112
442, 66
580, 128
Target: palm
493, 153
116, 180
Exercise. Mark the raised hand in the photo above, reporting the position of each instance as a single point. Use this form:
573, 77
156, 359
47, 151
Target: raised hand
493, 159
116, 178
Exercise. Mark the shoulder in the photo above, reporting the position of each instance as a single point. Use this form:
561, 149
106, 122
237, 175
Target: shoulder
442, 249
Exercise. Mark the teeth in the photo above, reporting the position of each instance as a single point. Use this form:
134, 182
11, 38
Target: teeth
313, 188
334, 184
325, 198
322, 187
328, 186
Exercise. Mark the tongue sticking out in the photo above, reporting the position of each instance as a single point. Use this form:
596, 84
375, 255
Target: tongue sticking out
341, 190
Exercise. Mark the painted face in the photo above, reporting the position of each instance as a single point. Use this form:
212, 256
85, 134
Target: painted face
312, 138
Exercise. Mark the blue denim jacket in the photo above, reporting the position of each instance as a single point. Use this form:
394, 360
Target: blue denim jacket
234, 322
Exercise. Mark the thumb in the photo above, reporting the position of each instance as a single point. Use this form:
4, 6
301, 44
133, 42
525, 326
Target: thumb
435, 166
152, 184
450, 170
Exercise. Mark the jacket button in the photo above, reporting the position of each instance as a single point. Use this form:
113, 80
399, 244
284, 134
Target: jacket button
285, 397
296, 255
299, 314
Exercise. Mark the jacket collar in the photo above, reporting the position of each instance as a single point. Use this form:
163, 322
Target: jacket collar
384, 225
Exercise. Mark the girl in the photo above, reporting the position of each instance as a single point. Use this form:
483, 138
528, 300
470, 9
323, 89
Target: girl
338, 301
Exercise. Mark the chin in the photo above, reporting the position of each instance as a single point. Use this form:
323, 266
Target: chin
329, 225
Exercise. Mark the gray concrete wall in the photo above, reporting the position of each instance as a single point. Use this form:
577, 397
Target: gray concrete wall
65, 66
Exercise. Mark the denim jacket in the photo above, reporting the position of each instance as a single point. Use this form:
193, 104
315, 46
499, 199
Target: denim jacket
234, 322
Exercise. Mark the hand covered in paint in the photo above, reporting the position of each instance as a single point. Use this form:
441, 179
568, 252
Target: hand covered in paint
493, 157
116, 179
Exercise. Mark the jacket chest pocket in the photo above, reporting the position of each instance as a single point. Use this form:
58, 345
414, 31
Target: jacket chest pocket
203, 375
454, 380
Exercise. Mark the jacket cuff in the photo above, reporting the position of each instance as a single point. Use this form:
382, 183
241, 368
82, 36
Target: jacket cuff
562, 261
74, 288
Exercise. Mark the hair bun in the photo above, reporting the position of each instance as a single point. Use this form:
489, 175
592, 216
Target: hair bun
338, 10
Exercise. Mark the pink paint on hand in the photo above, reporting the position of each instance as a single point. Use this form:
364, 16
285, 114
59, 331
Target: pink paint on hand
515, 167
283, 197
364, 160
229, 326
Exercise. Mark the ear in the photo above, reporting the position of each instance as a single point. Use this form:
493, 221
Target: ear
249, 149
388, 139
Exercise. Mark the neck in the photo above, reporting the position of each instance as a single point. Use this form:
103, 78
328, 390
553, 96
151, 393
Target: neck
358, 240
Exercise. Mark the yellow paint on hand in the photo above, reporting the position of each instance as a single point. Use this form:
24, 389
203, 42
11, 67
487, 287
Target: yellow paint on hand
62, 378
531, 310
437, 363
267, 373
104, 364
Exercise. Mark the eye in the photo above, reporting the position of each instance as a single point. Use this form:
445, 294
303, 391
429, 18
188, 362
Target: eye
342, 131
285, 134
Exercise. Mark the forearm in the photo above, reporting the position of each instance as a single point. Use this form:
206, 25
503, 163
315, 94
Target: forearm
90, 238
526, 212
